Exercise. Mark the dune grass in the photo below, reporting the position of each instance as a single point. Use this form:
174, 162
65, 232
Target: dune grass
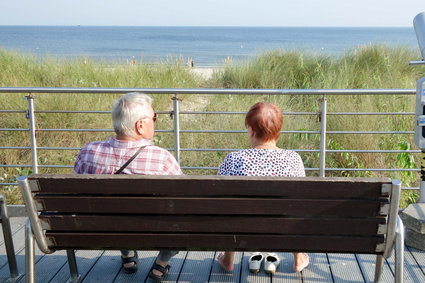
363, 67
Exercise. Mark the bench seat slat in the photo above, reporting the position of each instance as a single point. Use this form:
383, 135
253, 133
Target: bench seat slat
213, 242
215, 206
212, 224
209, 185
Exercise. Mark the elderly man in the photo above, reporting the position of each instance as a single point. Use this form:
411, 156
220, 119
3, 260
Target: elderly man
131, 152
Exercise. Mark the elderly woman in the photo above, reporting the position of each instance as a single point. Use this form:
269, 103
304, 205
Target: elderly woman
264, 122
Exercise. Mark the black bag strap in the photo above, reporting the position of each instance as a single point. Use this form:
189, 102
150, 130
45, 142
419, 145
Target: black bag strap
131, 159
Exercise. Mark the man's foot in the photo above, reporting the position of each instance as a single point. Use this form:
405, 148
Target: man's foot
159, 270
301, 261
225, 262
129, 262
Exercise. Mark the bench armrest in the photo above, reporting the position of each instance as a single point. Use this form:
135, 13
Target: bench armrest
392, 217
33, 214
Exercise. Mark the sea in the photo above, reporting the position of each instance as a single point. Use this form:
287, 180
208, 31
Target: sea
205, 46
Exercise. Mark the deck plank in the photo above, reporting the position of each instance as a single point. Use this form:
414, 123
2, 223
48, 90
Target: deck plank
344, 268
105, 266
285, 272
412, 273
17, 224
85, 261
318, 270
419, 256
48, 266
196, 267
18, 230
367, 266
218, 274
39, 269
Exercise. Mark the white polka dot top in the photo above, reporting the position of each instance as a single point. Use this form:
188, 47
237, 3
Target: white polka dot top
263, 162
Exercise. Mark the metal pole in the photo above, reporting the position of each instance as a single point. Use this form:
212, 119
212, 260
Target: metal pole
422, 184
176, 112
422, 193
399, 251
29, 254
378, 267
31, 117
322, 138
8, 240
73, 268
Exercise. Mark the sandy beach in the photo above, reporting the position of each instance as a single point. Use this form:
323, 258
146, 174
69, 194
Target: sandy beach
206, 72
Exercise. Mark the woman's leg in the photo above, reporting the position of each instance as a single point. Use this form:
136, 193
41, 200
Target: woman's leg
301, 260
225, 260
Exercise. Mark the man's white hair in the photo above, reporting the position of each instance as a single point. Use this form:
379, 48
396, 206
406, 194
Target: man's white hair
127, 110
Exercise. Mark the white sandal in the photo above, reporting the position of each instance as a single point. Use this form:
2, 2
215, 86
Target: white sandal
255, 262
271, 263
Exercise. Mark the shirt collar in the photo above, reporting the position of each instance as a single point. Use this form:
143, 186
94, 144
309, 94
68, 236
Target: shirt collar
128, 144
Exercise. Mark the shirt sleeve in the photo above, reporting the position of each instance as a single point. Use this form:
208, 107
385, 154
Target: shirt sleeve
226, 166
79, 167
171, 167
299, 170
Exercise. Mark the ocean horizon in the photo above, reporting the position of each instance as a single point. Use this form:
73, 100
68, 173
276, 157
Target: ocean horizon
206, 46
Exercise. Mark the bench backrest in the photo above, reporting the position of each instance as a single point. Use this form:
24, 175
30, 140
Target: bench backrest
212, 212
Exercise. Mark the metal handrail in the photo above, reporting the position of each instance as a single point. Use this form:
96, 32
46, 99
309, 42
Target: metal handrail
235, 149
177, 131
216, 91
211, 112
218, 131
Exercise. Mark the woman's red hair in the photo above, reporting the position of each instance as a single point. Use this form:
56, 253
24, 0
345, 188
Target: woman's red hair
266, 120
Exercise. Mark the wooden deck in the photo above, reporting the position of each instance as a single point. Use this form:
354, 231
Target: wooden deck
105, 266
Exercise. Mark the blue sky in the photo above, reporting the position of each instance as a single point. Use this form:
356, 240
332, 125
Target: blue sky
390, 13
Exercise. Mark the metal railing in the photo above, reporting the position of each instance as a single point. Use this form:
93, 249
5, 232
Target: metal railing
175, 113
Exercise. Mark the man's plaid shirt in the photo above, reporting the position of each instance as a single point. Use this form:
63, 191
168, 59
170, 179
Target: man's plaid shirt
108, 156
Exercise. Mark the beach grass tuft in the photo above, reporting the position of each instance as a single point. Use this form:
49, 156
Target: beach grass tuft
372, 66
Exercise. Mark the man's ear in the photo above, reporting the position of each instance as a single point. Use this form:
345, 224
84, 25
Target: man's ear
139, 126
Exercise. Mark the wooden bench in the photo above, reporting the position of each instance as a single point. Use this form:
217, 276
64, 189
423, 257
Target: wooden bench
333, 215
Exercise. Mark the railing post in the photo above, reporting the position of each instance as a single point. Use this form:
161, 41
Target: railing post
422, 183
31, 117
422, 180
8, 239
322, 138
176, 116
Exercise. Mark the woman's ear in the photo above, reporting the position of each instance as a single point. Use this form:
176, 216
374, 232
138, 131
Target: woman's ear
250, 132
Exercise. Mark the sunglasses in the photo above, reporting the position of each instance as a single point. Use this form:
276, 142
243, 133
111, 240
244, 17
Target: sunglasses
155, 116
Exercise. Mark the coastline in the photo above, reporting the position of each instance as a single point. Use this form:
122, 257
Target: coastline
207, 46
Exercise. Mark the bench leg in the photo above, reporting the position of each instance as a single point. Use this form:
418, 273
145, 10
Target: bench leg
378, 267
8, 240
399, 251
29, 254
73, 268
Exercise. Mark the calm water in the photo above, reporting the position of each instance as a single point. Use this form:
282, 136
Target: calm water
208, 46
